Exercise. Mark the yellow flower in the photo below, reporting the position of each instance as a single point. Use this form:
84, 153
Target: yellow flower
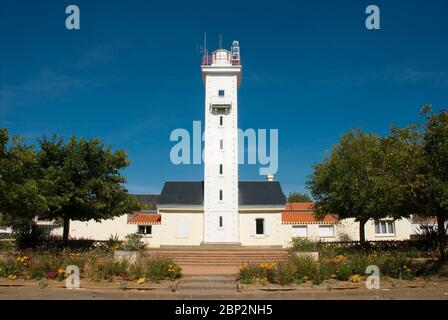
355, 278
141, 280
340, 259
266, 265
22, 259
243, 266
60, 270
12, 277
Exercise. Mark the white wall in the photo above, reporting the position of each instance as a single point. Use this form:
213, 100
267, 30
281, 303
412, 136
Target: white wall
168, 233
273, 229
99, 230
351, 228
276, 233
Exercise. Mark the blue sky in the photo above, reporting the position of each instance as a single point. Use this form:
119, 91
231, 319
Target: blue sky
131, 74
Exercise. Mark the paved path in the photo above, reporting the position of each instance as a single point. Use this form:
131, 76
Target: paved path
203, 270
437, 291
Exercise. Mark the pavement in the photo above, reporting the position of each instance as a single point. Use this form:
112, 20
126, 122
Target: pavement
207, 288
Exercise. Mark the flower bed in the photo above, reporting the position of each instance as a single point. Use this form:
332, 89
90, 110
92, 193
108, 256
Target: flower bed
95, 265
300, 269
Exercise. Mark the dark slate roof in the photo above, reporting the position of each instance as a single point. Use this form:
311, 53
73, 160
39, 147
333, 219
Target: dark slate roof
250, 193
148, 199
182, 192
259, 193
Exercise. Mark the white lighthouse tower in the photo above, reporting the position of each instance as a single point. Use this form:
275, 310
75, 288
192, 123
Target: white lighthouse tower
221, 73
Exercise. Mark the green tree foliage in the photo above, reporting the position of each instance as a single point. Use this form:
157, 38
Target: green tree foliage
23, 184
435, 172
87, 184
298, 197
362, 178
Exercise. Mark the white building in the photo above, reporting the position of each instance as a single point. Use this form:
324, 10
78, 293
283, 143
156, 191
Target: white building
221, 209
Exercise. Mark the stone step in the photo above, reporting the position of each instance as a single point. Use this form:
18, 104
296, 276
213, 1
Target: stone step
228, 258
233, 260
208, 282
260, 256
222, 255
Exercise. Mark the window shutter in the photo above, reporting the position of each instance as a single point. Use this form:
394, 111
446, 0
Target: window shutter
267, 226
182, 227
252, 227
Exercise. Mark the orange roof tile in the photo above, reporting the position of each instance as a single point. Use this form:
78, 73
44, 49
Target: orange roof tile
303, 213
145, 219
299, 206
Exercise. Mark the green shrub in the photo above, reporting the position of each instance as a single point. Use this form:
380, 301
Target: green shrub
133, 242
285, 273
26, 237
157, 269
12, 266
136, 271
42, 263
249, 273
304, 267
358, 263
111, 244
428, 237
343, 272
6, 245
108, 268
304, 245
396, 265
325, 271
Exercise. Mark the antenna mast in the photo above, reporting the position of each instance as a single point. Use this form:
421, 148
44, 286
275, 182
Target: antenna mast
205, 53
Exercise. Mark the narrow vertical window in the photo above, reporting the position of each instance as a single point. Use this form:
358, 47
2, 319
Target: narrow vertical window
220, 169
221, 144
220, 221
220, 194
259, 226
221, 120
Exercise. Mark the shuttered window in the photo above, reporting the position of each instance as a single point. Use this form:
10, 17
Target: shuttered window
299, 231
326, 231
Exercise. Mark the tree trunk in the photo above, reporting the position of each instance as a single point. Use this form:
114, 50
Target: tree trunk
362, 231
66, 231
442, 236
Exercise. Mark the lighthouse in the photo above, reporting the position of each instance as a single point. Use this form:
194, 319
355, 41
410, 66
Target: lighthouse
221, 74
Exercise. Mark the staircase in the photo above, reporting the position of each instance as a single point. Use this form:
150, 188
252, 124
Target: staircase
218, 260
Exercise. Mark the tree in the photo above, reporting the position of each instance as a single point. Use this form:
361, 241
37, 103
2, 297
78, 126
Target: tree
23, 184
358, 179
298, 197
435, 170
87, 180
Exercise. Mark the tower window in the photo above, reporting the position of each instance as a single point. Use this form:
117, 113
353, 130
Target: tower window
220, 169
221, 93
221, 144
259, 226
221, 120
220, 221
220, 194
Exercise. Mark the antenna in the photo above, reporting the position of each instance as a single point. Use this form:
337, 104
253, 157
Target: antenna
205, 53
220, 41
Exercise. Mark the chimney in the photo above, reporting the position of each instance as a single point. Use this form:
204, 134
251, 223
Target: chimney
270, 177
